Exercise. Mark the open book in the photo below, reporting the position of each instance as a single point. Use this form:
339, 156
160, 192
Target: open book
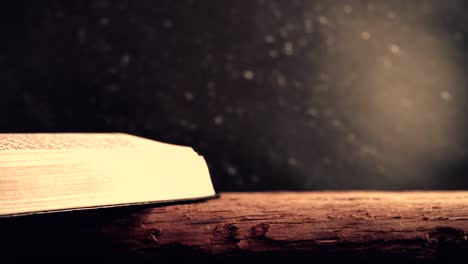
69, 171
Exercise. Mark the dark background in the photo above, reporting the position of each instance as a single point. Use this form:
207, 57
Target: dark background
275, 94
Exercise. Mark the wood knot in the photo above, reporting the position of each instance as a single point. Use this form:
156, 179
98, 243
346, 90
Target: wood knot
260, 230
154, 231
226, 233
152, 235
446, 235
226, 229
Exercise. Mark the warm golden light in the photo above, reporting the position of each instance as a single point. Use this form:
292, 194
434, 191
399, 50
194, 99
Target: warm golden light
406, 113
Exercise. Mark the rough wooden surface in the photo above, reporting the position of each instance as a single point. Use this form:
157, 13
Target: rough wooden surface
369, 225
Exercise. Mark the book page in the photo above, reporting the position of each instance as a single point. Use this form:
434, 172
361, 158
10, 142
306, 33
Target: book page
65, 141
43, 172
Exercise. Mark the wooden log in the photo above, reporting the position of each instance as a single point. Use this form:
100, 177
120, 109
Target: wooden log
358, 225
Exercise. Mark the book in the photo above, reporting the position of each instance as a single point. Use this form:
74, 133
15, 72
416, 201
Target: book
49, 172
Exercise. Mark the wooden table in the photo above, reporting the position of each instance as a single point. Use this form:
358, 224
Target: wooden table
337, 225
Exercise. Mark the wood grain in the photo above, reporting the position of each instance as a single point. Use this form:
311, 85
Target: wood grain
359, 225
